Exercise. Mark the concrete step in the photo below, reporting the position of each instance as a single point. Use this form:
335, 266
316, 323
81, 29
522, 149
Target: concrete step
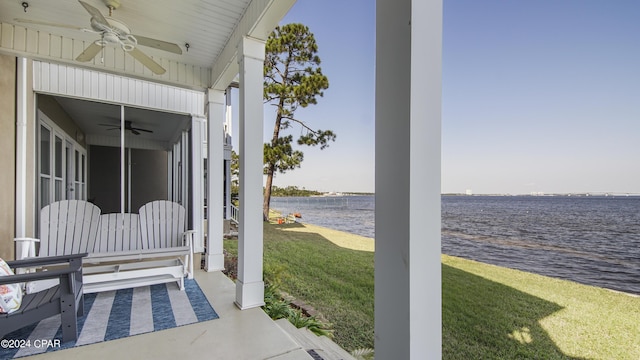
321, 345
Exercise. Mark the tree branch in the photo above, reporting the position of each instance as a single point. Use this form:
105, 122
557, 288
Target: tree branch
301, 124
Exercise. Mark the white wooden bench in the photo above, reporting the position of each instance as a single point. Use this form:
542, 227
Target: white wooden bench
125, 250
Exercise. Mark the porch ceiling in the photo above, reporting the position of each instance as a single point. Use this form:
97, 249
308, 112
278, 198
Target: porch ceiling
205, 25
212, 28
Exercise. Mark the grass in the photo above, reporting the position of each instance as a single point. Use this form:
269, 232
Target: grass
337, 282
488, 311
510, 314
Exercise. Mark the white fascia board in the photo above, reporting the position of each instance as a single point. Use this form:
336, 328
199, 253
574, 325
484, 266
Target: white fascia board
260, 18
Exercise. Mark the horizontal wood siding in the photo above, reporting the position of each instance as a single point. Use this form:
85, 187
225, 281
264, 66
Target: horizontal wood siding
76, 82
39, 44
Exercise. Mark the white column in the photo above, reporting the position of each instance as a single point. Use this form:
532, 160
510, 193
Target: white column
197, 185
122, 159
250, 286
227, 164
170, 175
214, 258
408, 296
227, 192
184, 170
21, 149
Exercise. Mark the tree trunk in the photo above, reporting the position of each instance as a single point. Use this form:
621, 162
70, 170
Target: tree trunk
267, 194
272, 167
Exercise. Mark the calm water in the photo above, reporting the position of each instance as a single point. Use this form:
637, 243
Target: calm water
592, 240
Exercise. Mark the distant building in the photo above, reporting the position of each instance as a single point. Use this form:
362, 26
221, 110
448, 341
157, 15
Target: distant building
469, 192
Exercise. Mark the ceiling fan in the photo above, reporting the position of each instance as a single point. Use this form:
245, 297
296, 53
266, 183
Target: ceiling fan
128, 125
116, 33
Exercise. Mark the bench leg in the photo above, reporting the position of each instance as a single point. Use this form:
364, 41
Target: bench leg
189, 261
80, 305
69, 318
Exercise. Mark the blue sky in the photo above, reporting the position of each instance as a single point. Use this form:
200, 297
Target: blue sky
538, 96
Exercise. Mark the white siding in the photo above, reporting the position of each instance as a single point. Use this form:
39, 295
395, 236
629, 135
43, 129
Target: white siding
93, 85
43, 45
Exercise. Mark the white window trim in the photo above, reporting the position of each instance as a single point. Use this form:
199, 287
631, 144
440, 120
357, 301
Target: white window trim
55, 130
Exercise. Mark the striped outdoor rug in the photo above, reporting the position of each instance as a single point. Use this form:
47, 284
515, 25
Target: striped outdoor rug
116, 314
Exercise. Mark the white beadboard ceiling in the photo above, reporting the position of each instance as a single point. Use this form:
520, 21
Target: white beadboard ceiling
205, 25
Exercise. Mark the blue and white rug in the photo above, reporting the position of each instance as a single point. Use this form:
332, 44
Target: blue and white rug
112, 315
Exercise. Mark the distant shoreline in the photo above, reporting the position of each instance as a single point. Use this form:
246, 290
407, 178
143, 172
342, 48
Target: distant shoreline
587, 194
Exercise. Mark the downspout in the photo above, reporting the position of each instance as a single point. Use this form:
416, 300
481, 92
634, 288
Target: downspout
21, 149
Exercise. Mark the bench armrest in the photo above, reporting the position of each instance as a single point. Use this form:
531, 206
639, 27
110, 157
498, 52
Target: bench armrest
74, 261
187, 238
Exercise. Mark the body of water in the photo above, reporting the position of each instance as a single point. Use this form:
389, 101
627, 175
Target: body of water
591, 240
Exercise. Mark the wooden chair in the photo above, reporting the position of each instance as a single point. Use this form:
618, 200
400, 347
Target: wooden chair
66, 227
69, 227
65, 299
163, 226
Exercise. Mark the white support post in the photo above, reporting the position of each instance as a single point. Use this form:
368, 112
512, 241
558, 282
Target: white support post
122, 159
170, 175
214, 258
21, 149
184, 170
177, 174
129, 161
227, 163
250, 286
197, 184
408, 295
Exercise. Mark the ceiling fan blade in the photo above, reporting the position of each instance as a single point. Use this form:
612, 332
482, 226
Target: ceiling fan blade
158, 44
95, 13
35, 22
133, 131
147, 61
89, 53
145, 130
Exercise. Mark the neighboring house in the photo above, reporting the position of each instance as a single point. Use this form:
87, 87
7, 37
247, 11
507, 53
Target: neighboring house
53, 146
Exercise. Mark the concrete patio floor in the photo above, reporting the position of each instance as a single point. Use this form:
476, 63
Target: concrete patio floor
236, 335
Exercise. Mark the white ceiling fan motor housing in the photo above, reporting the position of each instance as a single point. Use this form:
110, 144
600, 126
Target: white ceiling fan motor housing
114, 4
119, 35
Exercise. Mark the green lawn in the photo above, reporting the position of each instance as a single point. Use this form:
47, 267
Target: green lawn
488, 312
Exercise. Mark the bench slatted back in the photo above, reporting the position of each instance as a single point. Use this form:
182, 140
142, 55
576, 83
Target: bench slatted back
118, 233
162, 224
68, 227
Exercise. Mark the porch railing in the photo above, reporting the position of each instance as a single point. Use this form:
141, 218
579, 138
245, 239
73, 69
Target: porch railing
234, 214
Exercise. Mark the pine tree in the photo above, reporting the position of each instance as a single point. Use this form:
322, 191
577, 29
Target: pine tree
292, 79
